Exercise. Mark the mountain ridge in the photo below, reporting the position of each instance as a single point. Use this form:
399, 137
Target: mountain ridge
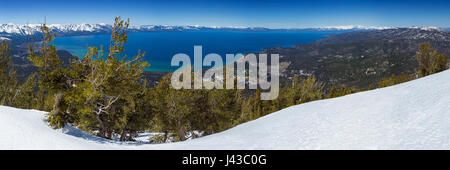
360, 58
69, 29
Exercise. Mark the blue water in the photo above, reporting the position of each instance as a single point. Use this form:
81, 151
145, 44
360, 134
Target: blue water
160, 47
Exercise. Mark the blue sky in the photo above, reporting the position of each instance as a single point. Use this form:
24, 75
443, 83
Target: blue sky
262, 13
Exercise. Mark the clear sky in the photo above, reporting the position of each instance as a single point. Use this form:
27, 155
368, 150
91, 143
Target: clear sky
261, 13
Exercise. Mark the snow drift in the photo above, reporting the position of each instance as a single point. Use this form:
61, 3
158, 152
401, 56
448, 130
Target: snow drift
412, 115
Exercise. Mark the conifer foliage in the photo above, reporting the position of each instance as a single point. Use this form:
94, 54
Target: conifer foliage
100, 93
394, 79
190, 113
8, 81
430, 61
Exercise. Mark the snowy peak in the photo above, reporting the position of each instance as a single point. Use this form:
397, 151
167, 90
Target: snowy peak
415, 33
419, 34
429, 28
4, 38
13, 30
27, 29
354, 27
362, 27
80, 27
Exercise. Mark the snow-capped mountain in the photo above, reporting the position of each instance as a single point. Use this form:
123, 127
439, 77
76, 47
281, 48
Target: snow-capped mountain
354, 27
27, 29
423, 34
20, 33
4, 38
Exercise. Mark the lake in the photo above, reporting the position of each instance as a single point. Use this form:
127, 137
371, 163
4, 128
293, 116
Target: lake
160, 47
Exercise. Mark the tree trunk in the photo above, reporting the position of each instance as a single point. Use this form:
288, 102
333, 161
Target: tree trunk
166, 134
123, 136
102, 132
58, 97
181, 132
5, 93
110, 134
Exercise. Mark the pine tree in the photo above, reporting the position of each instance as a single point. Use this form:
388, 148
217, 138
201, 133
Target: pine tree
305, 90
334, 92
293, 92
189, 113
257, 105
370, 87
383, 83
175, 110
246, 112
140, 114
105, 88
8, 80
26, 94
430, 61
100, 94
310, 90
53, 80
393, 80
160, 103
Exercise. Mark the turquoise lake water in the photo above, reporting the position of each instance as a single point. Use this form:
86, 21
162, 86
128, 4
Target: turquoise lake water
160, 47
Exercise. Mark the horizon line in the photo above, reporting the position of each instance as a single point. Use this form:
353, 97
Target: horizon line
343, 27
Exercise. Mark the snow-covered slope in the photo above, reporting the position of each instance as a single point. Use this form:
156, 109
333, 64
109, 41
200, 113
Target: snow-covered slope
412, 115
